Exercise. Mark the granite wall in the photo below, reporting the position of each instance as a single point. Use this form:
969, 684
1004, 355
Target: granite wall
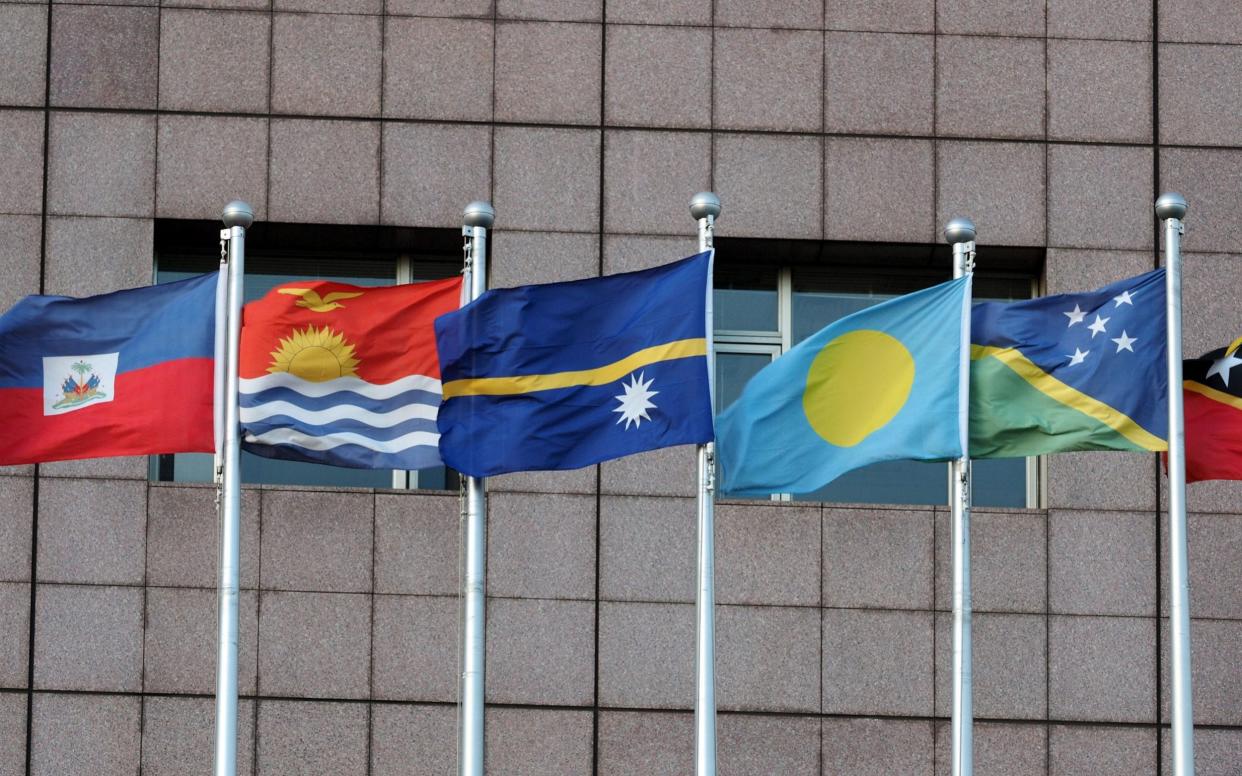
589, 123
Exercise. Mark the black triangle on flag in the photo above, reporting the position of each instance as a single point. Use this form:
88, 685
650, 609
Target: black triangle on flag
1212, 392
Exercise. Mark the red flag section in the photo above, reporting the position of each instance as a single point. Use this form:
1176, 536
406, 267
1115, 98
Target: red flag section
1212, 391
380, 334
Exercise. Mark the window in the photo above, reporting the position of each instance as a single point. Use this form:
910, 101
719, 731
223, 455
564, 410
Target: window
278, 253
770, 296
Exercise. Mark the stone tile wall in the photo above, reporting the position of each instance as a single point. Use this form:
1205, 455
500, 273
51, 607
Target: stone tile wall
589, 123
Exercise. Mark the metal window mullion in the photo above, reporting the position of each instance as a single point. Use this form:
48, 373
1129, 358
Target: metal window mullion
784, 307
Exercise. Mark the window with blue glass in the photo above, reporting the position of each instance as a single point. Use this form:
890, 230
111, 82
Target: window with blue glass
279, 253
770, 296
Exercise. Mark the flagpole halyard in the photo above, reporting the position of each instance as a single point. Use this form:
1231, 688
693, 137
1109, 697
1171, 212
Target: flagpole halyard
477, 219
1171, 209
237, 217
960, 232
705, 207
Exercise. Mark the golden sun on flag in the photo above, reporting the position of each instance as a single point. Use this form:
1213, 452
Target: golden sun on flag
315, 355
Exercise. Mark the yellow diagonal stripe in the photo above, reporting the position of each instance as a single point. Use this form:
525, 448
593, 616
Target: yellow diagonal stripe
610, 373
1070, 397
1213, 394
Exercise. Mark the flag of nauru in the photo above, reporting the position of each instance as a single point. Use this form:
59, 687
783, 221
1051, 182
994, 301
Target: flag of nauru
126, 373
344, 375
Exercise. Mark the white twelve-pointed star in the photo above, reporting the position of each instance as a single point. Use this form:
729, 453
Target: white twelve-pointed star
1124, 342
1125, 298
1098, 326
1221, 366
1075, 316
1078, 357
635, 401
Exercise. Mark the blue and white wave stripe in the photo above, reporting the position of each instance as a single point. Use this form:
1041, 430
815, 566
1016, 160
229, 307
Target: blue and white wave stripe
343, 422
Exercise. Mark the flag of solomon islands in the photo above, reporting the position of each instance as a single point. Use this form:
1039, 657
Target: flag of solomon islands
344, 375
1082, 371
126, 373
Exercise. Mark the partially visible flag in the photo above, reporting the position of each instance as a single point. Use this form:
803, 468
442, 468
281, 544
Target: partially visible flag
883, 384
344, 375
1069, 372
564, 375
1213, 415
126, 373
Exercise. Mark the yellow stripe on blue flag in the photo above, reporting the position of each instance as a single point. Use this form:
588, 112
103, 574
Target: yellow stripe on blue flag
565, 375
1070, 396
610, 373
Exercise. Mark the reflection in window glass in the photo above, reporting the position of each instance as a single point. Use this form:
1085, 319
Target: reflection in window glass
733, 371
745, 299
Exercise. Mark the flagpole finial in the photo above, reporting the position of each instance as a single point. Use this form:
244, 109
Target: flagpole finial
238, 213
959, 230
1171, 205
479, 213
704, 204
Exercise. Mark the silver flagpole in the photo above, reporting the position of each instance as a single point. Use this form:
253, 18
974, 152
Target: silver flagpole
705, 207
1171, 208
961, 233
478, 218
237, 217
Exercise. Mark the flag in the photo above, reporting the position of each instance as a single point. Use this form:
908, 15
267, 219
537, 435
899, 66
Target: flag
564, 375
1071, 372
344, 375
126, 373
1213, 415
883, 384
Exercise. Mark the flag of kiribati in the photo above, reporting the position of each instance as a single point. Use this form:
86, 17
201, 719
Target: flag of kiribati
126, 373
564, 375
344, 375
1082, 371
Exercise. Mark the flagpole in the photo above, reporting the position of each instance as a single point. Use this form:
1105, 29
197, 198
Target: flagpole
237, 217
477, 219
705, 207
961, 233
1171, 208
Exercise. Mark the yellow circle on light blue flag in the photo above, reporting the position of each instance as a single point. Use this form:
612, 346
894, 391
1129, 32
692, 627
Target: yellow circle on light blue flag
856, 384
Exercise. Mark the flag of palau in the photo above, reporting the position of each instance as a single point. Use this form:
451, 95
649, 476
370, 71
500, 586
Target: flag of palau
127, 373
565, 375
883, 384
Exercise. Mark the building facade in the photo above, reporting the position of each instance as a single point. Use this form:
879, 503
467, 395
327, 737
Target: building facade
840, 135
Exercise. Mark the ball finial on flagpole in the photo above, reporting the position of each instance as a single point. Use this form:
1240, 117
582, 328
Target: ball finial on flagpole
238, 213
479, 213
1171, 205
959, 230
704, 204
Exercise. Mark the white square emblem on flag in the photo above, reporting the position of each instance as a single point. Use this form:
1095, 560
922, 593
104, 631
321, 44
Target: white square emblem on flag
73, 382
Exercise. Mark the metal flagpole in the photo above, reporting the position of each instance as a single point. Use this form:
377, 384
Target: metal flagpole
478, 218
237, 217
1171, 208
961, 233
705, 207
